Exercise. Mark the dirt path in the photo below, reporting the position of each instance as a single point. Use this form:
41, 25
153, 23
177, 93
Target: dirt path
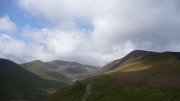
87, 93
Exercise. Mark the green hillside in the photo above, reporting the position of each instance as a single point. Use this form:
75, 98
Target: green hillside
44, 70
110, 88
17, 84
58, 70
142, 76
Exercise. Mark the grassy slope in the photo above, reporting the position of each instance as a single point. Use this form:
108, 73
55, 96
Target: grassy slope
159, 69
59, 70
19, 84
152, 78
110, 88
72, 93
45, 71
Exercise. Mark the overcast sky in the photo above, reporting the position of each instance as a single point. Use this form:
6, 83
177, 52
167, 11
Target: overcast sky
87, 31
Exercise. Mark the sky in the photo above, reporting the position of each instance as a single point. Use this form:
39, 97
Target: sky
91, 32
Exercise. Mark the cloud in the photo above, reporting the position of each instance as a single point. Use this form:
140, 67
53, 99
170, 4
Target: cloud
13, 49
71, 45
6, 25
66, 9
116, 28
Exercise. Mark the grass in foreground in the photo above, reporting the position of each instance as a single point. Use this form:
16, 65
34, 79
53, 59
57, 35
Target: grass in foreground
109, 88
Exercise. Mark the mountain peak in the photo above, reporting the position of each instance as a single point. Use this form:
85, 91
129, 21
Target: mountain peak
140, 52
37, 61
137, 54
130, 57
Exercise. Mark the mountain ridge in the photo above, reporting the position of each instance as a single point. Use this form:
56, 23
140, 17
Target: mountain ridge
59, 70
142, 76
136, 54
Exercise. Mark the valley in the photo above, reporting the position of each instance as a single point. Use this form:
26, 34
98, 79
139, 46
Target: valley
139, 76
89, 50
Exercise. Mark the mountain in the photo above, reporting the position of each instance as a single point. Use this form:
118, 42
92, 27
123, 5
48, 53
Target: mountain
17, 84
130, 57
44, 70
151, 68
139, 76
58, 70
73, 67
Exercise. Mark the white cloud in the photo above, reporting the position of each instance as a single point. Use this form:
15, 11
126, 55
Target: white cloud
119, 26
75, 45
53, 42
13, 49
66, 9
6, 25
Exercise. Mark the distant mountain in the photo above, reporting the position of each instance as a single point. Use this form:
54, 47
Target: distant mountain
139, 76
44, 70
72, 67
17, 84
59, 70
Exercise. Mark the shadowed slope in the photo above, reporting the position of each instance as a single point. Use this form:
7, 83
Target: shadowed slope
19, 84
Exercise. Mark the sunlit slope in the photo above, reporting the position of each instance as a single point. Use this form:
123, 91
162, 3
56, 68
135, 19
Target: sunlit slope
44, 70
155, 69
136, 54
58, 70
149, 76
